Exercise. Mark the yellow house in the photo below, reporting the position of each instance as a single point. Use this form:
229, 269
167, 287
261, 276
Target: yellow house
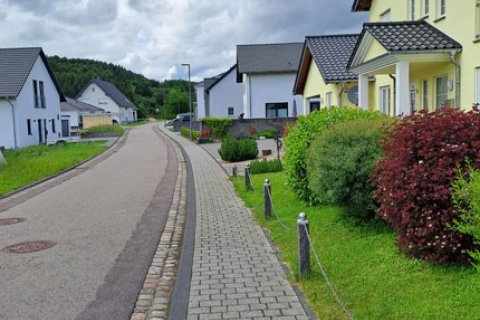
322, 77
422, 54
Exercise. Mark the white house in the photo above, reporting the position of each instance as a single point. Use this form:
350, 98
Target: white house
106, 95
200, 106
267, 73
225, 95
74, 113
29, 99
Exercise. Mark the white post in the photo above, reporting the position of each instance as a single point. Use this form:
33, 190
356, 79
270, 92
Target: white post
402, 88
363, 91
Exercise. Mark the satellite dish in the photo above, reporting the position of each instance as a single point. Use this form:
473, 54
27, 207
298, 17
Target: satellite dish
353, 95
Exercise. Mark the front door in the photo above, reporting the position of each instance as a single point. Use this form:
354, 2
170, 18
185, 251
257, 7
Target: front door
45, 130
65, 128
40, 131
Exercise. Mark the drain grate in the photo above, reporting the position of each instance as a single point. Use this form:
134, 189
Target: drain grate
9, 221
27, 247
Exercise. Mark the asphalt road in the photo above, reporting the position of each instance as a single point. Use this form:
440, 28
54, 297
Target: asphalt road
106, 222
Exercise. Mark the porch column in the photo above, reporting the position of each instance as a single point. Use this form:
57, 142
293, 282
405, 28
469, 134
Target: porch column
363, 91
402, 88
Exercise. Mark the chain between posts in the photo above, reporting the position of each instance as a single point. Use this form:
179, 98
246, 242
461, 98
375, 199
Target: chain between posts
327, 280
276, 213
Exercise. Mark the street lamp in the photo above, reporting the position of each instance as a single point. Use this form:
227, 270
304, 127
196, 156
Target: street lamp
164, 101
189, 98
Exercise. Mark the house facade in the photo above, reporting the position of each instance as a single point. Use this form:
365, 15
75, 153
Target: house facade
29, 99
267, 73
76, 115
422, 54
225, 95
200, 103
105, 95
322, 78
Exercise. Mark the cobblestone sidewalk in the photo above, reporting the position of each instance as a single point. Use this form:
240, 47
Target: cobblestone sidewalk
235, 273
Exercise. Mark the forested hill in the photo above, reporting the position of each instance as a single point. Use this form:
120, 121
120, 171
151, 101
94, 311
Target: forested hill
74, 74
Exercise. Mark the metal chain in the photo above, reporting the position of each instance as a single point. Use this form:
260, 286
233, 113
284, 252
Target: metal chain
330, 285
276, 213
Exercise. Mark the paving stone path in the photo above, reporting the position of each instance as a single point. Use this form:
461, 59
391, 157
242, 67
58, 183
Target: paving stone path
235, 273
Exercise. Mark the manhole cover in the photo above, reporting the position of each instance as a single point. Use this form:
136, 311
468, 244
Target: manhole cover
27, 247
9, 221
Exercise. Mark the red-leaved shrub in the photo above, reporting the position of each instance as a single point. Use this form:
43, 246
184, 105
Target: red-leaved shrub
413, 181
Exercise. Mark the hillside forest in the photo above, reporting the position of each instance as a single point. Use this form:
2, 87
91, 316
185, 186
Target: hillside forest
148, 95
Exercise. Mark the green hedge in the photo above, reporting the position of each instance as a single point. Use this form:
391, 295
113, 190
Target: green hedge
185, 132
300, 136
264, 166
339, 162
104, 128
218, 126
234, 150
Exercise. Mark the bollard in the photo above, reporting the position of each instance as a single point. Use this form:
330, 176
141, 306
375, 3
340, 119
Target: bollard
303, 244
248, 183
267, 201
234, 171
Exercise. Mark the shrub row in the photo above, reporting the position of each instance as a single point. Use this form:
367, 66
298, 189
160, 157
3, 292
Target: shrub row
235, 150
265, 166
185, 132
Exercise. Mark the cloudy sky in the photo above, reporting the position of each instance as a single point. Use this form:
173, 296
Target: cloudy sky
153, 37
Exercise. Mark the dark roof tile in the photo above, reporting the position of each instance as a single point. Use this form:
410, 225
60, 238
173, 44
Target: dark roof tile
269, 58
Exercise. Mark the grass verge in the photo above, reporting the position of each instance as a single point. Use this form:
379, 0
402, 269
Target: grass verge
105, 128
371, 276
31, 164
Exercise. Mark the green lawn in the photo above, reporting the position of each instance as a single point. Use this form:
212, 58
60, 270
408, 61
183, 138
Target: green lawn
372, 277
30, 164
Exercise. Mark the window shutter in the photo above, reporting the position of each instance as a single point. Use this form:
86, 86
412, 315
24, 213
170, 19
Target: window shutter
478, 84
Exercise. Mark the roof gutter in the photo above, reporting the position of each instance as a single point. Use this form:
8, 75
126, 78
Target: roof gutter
15, 142
458, 80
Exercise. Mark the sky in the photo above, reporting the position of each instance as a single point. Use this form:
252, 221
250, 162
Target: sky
154, 37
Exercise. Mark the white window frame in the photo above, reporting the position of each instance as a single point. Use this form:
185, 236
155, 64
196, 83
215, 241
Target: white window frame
437, 105
477, 83
425, 8
411, 10
441, 8
477, 20
328, 99
384, 99
425, 105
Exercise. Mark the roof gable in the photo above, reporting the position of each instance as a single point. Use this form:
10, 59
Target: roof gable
15, 67
268, 58
74, 105
331, 54
112, 91
401, 37
221, 77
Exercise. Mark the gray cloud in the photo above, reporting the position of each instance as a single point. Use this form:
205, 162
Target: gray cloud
155, 37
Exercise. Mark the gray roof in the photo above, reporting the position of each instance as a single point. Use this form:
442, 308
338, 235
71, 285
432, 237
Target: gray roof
209, 82
219, 78
410, 36
112, 91
331, 55
15, 67
269, 58
74, 105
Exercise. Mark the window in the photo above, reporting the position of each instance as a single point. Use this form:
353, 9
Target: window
53, 126
477, 20
328, 99
42, 94
93, 89
276, 110
425, 8
29, 127
411, 10
386, 16
35, 94
441, 8
478, 84
441, 92
230, 111
385, 100
425, 94
102, 101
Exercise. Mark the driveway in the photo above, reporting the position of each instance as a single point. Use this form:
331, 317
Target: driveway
105, 224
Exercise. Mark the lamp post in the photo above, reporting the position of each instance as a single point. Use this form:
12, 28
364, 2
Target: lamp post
189, 98
164, 101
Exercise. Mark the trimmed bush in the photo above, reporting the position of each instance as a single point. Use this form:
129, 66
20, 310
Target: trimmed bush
265, 166
466, 198
234, 150
301, 135
414, 181
340, 161
218, 126
185, 132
